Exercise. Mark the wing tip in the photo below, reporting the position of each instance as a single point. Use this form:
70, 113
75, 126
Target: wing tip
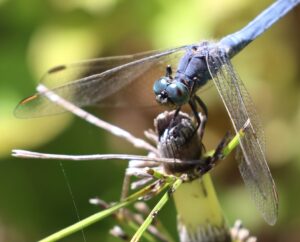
28, 99
19, 109
271, 220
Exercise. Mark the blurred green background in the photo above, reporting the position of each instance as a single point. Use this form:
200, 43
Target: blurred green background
36, 35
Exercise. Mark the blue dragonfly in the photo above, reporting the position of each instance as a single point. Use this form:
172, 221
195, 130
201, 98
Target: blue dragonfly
107, 82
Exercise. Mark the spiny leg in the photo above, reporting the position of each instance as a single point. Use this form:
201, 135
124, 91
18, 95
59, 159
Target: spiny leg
199, 100
174, 118
202, 105
169, 71
193, 104
195, 112
171, 124
203, 120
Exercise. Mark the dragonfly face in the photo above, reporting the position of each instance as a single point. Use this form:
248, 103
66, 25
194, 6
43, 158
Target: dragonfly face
171, 93
192, 73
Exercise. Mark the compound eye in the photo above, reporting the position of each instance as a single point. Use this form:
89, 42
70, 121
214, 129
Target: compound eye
178, 93
161, 85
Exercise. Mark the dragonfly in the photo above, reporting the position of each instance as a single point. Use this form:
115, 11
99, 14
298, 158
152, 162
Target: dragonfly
123, 80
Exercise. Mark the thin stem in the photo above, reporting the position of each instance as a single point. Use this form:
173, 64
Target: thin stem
46, 156
139, 143
155, 211
235, 140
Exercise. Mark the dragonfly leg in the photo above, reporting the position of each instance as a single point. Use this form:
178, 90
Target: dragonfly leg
200, 119
195, 112
199, 100
169, 71
171, 124
203, 120
202, 105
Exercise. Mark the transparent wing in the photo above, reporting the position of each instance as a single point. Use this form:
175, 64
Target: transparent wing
253, 166
113, 81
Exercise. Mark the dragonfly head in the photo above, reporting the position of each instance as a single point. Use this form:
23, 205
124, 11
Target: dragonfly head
169, 92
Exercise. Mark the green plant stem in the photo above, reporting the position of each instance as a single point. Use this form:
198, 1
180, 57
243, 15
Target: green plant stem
84, 223
98, 216
233, 143
154, 211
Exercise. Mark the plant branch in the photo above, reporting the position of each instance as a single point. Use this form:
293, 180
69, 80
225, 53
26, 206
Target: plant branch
139, 143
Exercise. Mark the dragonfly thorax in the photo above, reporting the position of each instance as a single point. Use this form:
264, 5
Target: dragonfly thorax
193, 68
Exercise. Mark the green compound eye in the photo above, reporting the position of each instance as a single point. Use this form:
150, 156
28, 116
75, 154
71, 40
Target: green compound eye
178, 93
161, 85
168, 92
